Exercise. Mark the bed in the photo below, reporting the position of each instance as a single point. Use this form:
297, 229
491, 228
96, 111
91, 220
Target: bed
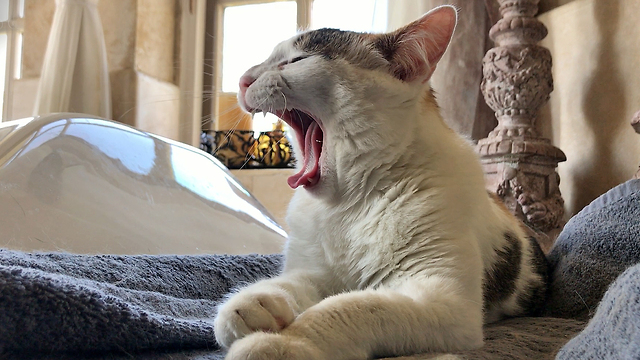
57, 304
63, 305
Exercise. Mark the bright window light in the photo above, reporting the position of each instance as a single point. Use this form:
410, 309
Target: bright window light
4, 10
354, 15
250, 34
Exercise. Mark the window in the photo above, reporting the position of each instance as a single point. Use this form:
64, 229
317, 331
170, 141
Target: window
354, 15
244, 32
242, 45
11, 28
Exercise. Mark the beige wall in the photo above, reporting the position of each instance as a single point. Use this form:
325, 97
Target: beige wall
547, 5
155, 38
596, 69
140, 36
270, 187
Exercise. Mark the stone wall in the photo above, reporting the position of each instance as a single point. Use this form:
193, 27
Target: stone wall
140, 37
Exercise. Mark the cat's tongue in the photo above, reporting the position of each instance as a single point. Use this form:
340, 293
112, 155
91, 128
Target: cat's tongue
311, 148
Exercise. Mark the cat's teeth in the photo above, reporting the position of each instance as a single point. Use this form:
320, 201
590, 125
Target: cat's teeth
311, 181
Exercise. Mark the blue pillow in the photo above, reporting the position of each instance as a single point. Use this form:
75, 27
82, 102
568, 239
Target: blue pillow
593, 249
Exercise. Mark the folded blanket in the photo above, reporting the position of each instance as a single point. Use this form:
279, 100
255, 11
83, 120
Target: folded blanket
78, 303
63, 306
614, 331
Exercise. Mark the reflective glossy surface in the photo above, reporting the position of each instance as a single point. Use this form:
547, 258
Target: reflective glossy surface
74, 183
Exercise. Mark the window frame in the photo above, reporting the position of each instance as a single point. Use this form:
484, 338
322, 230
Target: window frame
14, 28
215, 31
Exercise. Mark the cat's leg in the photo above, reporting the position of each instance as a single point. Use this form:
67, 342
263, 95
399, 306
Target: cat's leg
429, 315
267, 305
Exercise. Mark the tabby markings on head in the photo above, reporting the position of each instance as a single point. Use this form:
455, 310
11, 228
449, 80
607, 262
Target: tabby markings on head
357, 48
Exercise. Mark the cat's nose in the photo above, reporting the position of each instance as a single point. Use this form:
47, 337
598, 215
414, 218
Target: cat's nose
245, 82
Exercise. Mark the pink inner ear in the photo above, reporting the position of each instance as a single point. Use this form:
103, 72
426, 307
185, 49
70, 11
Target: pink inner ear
422, 43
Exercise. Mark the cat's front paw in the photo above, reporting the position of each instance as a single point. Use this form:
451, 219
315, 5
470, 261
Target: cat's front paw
246, 313
263, 346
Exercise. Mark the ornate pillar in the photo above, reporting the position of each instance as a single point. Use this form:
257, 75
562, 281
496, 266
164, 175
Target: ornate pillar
519, 164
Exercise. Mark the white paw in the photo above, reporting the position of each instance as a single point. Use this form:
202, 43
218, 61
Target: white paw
263, 346
246, 313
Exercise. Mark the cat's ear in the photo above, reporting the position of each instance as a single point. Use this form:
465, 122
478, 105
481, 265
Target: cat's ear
414, 50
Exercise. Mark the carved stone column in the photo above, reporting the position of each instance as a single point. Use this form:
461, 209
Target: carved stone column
519, 164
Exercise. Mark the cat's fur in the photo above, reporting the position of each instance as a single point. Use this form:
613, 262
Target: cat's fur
395, 246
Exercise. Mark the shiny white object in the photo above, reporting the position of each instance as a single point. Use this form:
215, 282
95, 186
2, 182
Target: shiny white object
71, 182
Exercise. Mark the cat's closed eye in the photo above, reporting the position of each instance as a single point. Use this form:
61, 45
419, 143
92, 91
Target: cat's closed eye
291, 61
297, 58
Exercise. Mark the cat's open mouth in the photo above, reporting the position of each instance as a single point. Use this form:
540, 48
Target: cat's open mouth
309, 135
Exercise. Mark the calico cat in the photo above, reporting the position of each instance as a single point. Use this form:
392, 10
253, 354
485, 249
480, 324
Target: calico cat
395, 246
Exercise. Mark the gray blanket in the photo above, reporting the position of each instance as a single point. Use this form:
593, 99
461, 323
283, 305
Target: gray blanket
57, 303
614, 331
593, 249
63, 306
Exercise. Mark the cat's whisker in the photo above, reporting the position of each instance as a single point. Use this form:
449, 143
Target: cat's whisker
285, 100
260, 106
228, 134
246, 161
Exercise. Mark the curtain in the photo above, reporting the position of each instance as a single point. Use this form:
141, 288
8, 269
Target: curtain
75, 75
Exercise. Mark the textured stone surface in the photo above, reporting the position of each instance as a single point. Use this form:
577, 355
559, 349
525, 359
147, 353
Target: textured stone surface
38, 15
520, 164
155, 38
118, 21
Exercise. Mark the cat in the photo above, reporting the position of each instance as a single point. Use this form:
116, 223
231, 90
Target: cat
395, 246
